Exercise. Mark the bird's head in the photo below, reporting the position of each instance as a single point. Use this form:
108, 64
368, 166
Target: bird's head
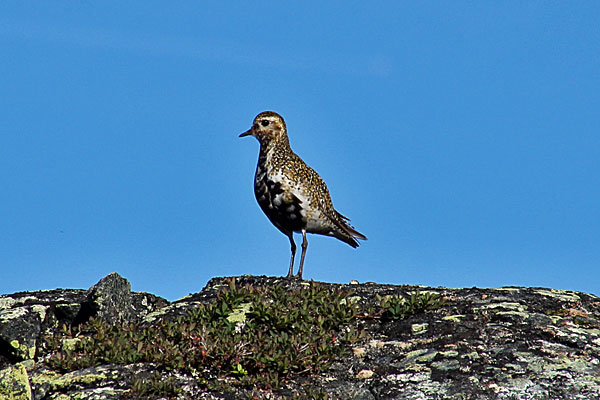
268, 126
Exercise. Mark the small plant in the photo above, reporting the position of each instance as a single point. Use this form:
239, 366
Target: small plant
239, 370
397, 307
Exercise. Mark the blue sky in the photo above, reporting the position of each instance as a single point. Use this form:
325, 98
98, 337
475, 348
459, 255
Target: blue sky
463, 138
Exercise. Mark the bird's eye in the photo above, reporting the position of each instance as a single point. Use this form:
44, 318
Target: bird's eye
264, 122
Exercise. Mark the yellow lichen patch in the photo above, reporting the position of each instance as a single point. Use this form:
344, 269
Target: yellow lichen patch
454, 318
421, 356
238, 315
427, 357
59, 382
418, 329
449, 353
423, 292
6, 302
23, 350
507, 305
514, 314
560, 294
585, 331
471, 356
44, 377
14, 383
73, 378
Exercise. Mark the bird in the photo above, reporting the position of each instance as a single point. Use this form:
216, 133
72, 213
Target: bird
291, 194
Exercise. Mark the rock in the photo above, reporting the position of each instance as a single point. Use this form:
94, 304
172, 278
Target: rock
111, 299
507, 343
364, 374
25, 317
14, 383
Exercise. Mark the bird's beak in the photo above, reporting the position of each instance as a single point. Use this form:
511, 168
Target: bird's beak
248, 132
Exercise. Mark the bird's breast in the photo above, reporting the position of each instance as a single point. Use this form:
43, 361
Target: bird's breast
278, 201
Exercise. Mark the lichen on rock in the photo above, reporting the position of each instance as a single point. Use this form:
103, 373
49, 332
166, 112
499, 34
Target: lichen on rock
14, 383
506, 343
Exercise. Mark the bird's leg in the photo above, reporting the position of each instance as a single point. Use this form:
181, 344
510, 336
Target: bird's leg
304, 247
291, 271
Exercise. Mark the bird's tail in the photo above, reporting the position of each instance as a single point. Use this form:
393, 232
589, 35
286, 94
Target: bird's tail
347, 234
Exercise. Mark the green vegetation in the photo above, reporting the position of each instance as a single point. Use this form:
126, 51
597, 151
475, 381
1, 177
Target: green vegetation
396, 307
249, 337
257, 335
156, 385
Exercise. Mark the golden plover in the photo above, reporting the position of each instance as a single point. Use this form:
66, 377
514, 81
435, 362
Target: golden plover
292, 194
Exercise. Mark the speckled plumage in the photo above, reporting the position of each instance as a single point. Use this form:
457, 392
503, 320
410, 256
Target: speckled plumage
292, 194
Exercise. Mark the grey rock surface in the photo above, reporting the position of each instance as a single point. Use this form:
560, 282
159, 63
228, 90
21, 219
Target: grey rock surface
112, 300
506, 343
